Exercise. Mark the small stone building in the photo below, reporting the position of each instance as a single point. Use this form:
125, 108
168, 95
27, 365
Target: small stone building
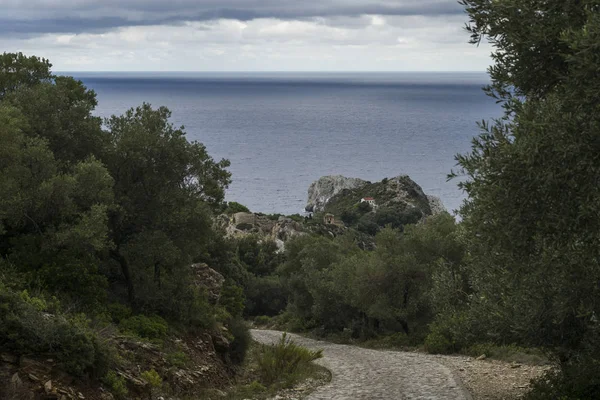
329, 219
368, 200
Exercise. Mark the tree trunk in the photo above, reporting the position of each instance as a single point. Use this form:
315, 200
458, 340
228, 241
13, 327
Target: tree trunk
118, 257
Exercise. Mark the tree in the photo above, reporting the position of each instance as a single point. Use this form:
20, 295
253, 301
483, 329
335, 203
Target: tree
165, 188
532, 214
53, 221
18, 71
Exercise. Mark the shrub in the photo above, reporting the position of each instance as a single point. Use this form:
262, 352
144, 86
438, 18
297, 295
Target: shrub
232, 299
152, 378
177, 359
241, 340
25, 329
116, 384
265, 296
153, 327
284, 359
119, 312
437, 343
574, 381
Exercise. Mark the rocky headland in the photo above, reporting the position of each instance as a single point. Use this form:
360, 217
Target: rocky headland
333, 194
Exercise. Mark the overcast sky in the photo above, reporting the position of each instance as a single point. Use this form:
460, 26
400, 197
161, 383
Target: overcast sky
242, 35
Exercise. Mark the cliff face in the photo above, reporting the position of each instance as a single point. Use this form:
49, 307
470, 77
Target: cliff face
321, 191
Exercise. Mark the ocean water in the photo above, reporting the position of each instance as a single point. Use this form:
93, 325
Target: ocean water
282, 131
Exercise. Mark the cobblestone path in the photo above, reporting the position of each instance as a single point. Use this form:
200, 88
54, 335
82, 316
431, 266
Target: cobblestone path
359, 373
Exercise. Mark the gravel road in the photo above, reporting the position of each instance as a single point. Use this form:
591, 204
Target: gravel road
359, 373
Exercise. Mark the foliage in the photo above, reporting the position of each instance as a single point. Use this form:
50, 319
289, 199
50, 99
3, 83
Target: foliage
170, 184
265, 296
103, 216
241, 340
531, 219
284, 359
149, 327
116, 384
26, 329
18, 71
232, 299
438, 343
334, 286
178, 359
152, 378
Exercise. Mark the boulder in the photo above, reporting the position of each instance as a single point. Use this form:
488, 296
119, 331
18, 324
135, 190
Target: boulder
244, 219
207, 278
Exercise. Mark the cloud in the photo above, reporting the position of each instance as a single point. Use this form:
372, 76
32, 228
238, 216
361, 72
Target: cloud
35, 17
238, 35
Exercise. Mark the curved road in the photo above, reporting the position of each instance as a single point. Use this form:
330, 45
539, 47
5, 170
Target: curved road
359, 373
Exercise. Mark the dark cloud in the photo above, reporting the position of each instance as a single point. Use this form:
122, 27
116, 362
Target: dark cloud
34, 17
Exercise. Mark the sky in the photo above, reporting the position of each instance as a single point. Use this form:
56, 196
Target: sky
243, 35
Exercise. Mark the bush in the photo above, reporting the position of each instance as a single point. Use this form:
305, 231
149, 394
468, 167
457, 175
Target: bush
152, 378
153, 327
119, 312
437, 343
283, 360
24, 329
265, 296
232, 299
178, 359
241, 340
116, 384
574, 381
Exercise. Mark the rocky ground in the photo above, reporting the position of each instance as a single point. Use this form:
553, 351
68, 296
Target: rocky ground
359, 373
491, 379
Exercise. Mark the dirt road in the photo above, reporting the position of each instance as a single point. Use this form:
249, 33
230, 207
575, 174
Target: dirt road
359, 373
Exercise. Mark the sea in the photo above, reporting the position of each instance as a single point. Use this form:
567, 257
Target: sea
282, 131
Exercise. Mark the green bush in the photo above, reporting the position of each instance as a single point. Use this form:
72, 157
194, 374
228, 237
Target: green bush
284, 359
574, 381
24, 329
152, 378
232, 299
178, 359
116, 384
153, 327
241, 340
265, 295
119, 312
437, 343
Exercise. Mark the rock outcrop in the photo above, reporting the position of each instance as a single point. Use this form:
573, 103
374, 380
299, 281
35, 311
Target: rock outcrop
400, 194
243, 224
436, 205
321, 191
